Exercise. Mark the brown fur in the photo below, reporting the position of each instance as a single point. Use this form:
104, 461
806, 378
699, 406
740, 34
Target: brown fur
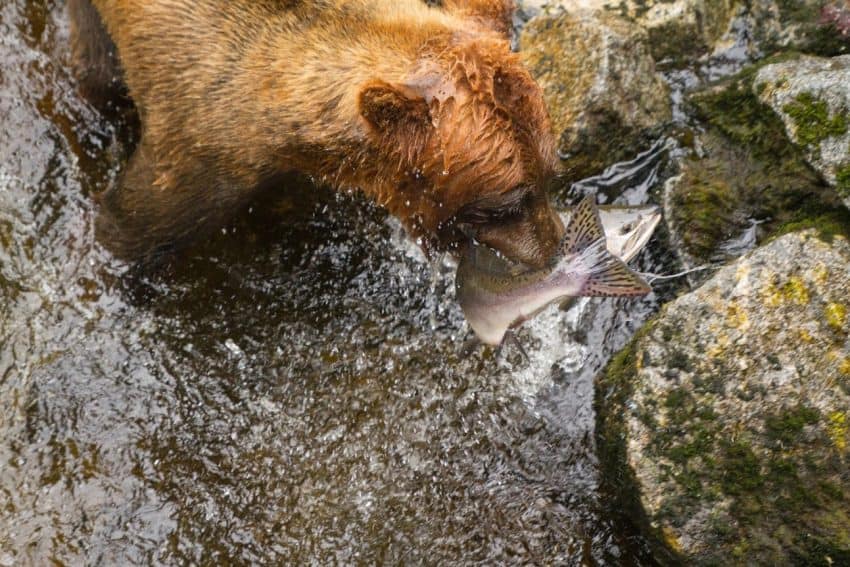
424, 109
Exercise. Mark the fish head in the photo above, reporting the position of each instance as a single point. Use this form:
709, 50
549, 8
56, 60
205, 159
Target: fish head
484, 276
627, 228
496, 293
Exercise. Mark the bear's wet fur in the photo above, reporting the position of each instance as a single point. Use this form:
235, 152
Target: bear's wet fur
423, 108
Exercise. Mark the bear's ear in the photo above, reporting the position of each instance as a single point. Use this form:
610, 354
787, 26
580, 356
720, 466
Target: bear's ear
389, 107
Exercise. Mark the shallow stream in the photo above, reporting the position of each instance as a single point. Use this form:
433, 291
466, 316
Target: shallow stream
292, 391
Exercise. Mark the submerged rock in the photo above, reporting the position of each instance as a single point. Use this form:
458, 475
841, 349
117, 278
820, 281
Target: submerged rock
600, 85
812, 96
731, 412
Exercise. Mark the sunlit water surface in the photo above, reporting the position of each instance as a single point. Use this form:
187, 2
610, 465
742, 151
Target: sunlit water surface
293, 390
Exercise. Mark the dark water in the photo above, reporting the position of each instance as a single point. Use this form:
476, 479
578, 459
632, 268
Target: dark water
291, 391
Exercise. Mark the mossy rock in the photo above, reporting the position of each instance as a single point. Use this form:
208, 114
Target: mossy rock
747, 171
842, 178
811, 95
811, 34
679, 30
727, 450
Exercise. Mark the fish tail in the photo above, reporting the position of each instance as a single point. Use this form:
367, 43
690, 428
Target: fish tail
603, 273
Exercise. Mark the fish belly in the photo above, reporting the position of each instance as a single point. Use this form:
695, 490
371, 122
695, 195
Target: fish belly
491, 319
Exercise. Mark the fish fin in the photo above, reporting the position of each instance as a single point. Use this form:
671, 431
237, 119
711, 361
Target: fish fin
584, 228
607, 275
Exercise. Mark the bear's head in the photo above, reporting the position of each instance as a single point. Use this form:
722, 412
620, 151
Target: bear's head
467, 150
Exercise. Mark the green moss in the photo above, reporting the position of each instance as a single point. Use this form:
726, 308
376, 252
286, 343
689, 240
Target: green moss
734, 109
750, 169
742, 470
710, 384
828, 221
681, 361
675, 44
813, 121
842, 181
705, 209
824, 41
786, 427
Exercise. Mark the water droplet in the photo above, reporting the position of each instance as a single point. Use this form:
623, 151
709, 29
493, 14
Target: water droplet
233, 347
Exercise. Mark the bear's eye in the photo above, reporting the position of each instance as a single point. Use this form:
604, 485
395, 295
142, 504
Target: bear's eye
496, 208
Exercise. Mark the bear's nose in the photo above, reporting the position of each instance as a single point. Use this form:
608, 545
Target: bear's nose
531, 240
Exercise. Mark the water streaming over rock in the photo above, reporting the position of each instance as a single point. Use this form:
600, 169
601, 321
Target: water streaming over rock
292, 390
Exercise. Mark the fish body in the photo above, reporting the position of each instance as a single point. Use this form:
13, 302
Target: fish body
496, 294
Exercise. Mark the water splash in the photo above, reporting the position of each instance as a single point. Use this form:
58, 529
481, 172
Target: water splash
292, 390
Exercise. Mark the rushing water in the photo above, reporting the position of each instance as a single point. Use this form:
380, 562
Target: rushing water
293, 390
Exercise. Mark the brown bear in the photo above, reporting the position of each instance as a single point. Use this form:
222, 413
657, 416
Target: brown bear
422, 107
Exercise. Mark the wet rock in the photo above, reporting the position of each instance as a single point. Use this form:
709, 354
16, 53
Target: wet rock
730, 413
676, 29
812, 96
680, 31
682, 28
600, 85
743, 178
811, 26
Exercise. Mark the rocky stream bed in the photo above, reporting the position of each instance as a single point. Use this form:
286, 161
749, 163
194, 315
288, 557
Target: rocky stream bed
294, 391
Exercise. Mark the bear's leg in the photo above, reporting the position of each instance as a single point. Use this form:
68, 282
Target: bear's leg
149, 214
95, 57
498, 14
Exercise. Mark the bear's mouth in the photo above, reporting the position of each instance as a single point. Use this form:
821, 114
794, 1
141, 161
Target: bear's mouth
520, 224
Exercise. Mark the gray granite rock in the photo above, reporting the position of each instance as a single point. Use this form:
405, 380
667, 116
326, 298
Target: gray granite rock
812, 96
732, 411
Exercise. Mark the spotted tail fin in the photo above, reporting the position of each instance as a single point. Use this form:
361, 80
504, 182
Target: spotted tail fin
603, 273
584, 228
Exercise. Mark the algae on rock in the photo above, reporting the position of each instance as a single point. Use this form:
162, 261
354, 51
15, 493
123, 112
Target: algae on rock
812, 97
745, 179
730, 413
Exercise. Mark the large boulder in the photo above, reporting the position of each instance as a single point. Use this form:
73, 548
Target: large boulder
675, 29
600, 85
729, 417
812, 96
682, 27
